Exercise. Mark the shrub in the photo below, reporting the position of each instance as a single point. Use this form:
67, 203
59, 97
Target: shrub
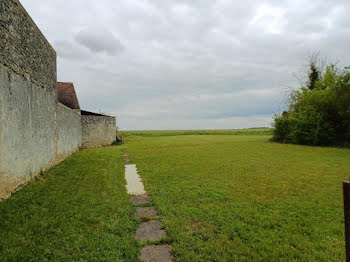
319, 115
282, 126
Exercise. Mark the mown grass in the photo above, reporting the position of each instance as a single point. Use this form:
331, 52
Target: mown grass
77, 211
220, 198
241, 198
156, 133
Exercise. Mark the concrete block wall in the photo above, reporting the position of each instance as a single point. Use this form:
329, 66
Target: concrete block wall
27, 98
98, 130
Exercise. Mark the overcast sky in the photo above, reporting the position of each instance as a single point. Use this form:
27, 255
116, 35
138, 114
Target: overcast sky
189, 64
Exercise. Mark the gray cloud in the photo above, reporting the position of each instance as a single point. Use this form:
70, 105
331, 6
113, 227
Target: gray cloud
71, 51
189, 64
99, 40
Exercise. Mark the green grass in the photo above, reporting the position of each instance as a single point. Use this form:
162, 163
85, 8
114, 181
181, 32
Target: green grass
77, 211
220, 197
153, 133
241, 198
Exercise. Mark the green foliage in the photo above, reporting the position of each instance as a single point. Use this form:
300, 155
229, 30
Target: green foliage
314, 75
319, 114
282, 126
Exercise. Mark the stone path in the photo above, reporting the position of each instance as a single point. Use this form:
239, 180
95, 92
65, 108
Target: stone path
134, 184
156, 253
146, 212
151, 230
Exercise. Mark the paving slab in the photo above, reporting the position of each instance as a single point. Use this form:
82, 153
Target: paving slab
159, 253
146, 212
150, 231
134, 184
140, 199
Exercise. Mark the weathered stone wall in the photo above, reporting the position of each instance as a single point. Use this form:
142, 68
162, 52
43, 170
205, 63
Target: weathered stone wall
23, 48
27, 129
27, 98
69, 134
98, 130
36, 132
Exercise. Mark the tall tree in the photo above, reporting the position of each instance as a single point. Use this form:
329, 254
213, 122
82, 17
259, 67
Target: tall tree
314, 75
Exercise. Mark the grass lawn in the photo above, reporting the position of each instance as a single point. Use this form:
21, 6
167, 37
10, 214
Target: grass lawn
77, 211
220, 197
241, 198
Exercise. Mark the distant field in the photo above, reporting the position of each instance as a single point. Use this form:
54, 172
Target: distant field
241, 198
149, 133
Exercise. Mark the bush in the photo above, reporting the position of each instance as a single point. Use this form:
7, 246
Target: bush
282, 127
318, 115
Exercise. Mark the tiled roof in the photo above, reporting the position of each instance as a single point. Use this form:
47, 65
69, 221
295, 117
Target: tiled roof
67, 96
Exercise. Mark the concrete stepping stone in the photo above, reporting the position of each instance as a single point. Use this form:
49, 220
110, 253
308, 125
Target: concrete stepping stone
156, 254
146, 212
140, 199
134, 184
150, 231
147, 231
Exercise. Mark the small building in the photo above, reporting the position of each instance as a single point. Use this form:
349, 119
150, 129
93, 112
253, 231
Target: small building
98, 129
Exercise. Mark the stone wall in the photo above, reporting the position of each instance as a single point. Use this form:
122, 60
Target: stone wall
36, 132
27, 130
27, 98
98, 130
23, 48
69, 134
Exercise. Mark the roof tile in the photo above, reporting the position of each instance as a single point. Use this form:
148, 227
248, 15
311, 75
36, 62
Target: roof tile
67, 96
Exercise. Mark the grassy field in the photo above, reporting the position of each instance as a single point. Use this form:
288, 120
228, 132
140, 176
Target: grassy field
78, 211
241, 198
220, 197
153, 133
